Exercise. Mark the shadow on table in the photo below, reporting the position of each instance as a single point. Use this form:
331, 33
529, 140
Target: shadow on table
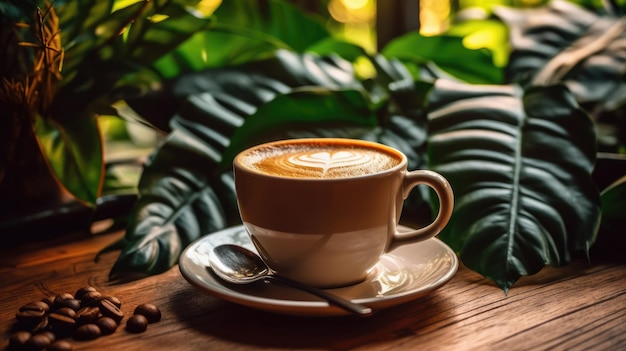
240, 324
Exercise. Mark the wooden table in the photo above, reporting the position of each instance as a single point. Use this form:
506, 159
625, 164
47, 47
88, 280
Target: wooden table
580, 307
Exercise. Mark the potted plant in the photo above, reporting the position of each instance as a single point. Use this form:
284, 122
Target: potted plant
64, 64
518, 140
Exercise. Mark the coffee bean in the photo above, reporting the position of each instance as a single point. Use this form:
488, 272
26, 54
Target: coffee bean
60, 324
63, 296
108, 309
137, 324
32, 326
90, 298
114, 300
66, 311
41, 326
60, 345
50, 335
82, 291
38, 342
28, 316
35, 306
107, 325
71, 303
87, 332
150, 311
87, 314
49, 300
18, 339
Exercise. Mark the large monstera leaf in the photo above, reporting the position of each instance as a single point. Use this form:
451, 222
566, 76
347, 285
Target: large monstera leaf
520, 164
186, 189
563, 42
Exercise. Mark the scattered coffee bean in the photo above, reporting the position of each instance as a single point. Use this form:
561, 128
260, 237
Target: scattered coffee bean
82, 291
71, 303
137, 324
49, 300
87, 332
28, 315
150, 311
60, 345
33, 327
50, 335
38, 342
85, 315
60, 324
18, 339
107, 325
30, 320
88, 314
35, 306
66, 311
90, 298
108, 309
114, 300
61, 297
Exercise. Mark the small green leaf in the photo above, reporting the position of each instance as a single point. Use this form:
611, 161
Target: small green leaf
476, 66
333, 46
244, 31
611, 242
614, 201
520, 164
74, 152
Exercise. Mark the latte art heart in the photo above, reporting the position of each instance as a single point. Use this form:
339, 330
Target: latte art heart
327, 160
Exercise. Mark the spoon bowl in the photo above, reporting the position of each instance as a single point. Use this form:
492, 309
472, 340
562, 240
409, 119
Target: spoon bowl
238, 265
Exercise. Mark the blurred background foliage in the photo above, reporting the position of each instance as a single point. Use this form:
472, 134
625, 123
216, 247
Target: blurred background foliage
360, 22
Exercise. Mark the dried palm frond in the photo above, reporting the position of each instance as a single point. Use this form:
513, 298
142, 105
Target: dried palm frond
33, 71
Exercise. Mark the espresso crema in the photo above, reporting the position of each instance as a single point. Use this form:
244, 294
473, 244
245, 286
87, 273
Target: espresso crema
319, 160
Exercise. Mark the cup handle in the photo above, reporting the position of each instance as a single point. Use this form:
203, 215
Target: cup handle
442, 188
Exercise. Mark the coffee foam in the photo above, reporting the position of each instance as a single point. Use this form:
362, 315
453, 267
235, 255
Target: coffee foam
319, 160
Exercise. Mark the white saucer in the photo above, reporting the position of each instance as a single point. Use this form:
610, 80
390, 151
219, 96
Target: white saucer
406, 273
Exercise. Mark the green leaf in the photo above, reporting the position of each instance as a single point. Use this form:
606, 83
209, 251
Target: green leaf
611, 242
187, 191
150, 38
176, 205
244, 31
520, 164
333, 46
563, 42
74, 153
300, 110
476, 66
490, 34
614, 202
241, 88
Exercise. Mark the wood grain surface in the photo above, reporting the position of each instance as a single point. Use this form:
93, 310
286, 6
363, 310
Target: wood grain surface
579, 307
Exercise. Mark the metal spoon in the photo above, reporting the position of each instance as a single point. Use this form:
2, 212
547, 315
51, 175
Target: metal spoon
238, 265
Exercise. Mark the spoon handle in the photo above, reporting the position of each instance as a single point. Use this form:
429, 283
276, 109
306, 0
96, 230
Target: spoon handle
331, 298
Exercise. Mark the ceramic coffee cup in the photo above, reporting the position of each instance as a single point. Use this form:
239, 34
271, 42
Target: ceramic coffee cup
323, 211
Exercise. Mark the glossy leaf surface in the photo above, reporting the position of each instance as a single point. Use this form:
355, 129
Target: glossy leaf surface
243, 31
476, 66
74, 152
563, 42
520, 164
